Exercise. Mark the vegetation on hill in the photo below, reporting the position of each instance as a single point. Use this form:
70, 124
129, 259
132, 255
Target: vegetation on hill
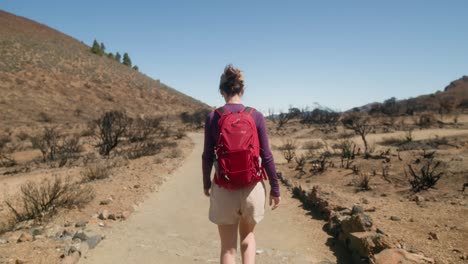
100, 49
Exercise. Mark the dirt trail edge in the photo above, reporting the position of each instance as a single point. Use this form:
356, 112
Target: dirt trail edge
172, 226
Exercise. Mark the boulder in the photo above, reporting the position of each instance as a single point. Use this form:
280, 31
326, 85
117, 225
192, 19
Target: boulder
81, 236
366, 244
93, 241
356, 223
398, 256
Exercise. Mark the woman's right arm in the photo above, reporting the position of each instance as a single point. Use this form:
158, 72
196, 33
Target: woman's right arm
268, 161
208, 153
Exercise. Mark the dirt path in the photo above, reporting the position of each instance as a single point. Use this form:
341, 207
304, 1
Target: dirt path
171, 226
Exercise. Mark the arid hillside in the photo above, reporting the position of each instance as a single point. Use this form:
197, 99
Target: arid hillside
454, 97
47, 76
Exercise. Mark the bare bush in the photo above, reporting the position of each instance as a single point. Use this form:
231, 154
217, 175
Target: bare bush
348, 153
289, 150
282, 119
426, 176
47, 143
196, 119
144, 137
38, 200
55, 147
386, 171
360, 123
300, 163
111, 126
321, 164
426, 120
95, 172
363, 181
142, 129
320, 116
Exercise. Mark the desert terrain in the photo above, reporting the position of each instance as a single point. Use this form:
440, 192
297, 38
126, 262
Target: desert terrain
100, 163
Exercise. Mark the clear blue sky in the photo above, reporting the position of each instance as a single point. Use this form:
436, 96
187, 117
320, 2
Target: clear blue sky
337, 53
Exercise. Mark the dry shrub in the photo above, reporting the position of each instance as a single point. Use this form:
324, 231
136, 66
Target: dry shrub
426, 176
426, 120
95, 172
47, 143
361, 124
363, 180
348, 153
111, 127
39, 200
289, 150
196, 119
321, 164
300, 163
55, 147
143, 135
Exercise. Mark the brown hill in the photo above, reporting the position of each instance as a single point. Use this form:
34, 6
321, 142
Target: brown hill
454, 97
46, 75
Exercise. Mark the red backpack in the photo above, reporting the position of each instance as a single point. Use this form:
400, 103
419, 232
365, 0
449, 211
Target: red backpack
237, 150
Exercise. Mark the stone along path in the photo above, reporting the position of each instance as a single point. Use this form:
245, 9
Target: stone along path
172, 226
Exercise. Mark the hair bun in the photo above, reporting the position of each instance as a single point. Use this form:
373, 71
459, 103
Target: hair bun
232, 81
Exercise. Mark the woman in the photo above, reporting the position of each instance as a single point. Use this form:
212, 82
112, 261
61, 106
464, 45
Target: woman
237, 210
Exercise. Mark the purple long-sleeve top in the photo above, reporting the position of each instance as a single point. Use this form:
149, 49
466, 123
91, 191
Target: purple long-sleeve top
211, 136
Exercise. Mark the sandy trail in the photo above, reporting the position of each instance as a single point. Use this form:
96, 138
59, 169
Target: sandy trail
172, 226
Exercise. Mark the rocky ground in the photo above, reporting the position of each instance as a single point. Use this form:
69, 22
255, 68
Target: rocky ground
431, 222
73, 232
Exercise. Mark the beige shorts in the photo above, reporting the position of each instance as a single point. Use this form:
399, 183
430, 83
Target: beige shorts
227, 207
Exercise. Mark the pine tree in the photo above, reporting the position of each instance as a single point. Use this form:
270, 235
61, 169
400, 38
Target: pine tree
135, 68
126, 60
110, 55
103, 48
118, 57
96, 48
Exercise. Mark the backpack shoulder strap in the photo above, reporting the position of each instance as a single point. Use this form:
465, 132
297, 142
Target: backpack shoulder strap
222, 111
248, 110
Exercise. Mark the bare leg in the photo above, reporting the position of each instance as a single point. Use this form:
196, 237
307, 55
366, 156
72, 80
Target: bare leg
247, 240
228, 235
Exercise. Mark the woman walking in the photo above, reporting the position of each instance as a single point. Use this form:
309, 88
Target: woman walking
236, 142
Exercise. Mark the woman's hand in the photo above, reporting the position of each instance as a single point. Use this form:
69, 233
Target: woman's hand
274, 201
207, 192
